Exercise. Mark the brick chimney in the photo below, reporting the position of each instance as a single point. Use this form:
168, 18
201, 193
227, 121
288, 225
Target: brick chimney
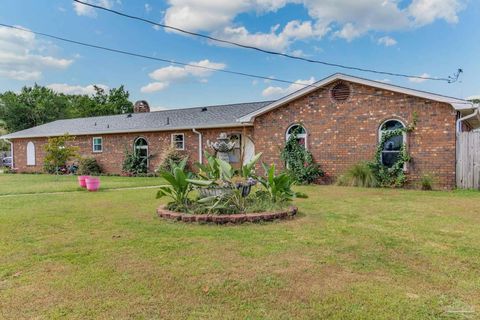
141, 106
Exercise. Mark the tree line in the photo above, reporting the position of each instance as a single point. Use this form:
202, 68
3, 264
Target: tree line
37, 105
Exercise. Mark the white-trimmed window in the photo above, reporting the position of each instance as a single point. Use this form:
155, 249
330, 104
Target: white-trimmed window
97, 144
178, 141
301, 133
141, 148
30, 154
392, 147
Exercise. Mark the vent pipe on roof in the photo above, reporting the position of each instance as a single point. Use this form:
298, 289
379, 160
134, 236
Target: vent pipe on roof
168, 121
204, 109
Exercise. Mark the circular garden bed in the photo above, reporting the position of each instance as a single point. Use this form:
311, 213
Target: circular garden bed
288, 213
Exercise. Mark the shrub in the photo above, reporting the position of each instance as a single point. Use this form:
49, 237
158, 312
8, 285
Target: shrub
426, 182
133, 164
278, 187
178, 187
89, 166
174, 157
58, 152
299, 161
359, 175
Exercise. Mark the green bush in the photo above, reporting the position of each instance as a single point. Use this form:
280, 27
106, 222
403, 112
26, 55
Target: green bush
173, 157
58, 152
299, 161
89, 166
278, 186
426, 182
133, 164
359, 175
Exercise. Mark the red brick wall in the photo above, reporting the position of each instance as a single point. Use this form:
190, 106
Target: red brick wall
341, 134
114, 145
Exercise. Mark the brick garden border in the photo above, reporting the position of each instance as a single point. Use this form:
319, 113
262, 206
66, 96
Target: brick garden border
227, 218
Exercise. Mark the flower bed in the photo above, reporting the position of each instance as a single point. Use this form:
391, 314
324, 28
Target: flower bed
227, 218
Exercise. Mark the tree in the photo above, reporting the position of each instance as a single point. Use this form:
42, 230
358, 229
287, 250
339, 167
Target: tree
101, 103
37, 105
58, 152
31, 107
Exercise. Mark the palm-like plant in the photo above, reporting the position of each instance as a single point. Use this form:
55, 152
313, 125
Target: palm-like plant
279, 187
179, 186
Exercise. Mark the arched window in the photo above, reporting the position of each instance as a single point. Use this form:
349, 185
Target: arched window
392, 146
300, 132
30, 153
141, 148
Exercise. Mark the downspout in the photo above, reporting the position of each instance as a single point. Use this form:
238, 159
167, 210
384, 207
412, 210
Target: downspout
200, 152
474, 114
11, 152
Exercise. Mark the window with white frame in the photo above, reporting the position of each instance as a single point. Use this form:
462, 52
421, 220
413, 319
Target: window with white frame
141, 149
300, 132
30, 154
393, 146
97, 144
178, 141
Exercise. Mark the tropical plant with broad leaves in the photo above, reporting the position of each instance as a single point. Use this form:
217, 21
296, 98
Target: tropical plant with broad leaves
179, 186
278, 187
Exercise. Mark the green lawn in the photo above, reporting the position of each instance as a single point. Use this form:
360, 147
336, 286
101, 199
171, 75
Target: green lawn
42, 183
352, 254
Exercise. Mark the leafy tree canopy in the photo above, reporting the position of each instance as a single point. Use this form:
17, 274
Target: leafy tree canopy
37, 105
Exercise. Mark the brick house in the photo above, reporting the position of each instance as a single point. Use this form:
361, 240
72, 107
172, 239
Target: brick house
340, 117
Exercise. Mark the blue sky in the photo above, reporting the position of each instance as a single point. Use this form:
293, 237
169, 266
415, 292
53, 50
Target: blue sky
419, 37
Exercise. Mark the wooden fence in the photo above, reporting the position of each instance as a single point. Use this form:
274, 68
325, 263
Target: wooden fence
468, 160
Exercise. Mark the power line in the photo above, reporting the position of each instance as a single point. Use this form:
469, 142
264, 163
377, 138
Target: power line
449, 79
138, 55
155, 58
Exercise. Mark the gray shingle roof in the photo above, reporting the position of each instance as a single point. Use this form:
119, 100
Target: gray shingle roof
174, 119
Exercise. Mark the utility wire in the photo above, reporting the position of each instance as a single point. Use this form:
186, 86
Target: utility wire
138, 55
449, 79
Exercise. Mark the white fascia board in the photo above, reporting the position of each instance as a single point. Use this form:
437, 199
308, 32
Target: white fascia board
232, 125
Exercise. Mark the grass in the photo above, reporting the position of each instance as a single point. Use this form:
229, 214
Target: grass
351, 254
43, 183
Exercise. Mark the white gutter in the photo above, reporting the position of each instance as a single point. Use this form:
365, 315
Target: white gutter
475, 113
200, 152
217, 126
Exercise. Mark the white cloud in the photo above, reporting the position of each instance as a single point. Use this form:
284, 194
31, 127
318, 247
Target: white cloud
276, 39
165, 76
148, 7
276, 92
343, 18
418, 80
154, 86
75, 89
21, 55
427, 11
387, 41
83, 10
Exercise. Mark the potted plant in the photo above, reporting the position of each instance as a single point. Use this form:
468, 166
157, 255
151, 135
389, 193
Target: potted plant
82, 181
93, 184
